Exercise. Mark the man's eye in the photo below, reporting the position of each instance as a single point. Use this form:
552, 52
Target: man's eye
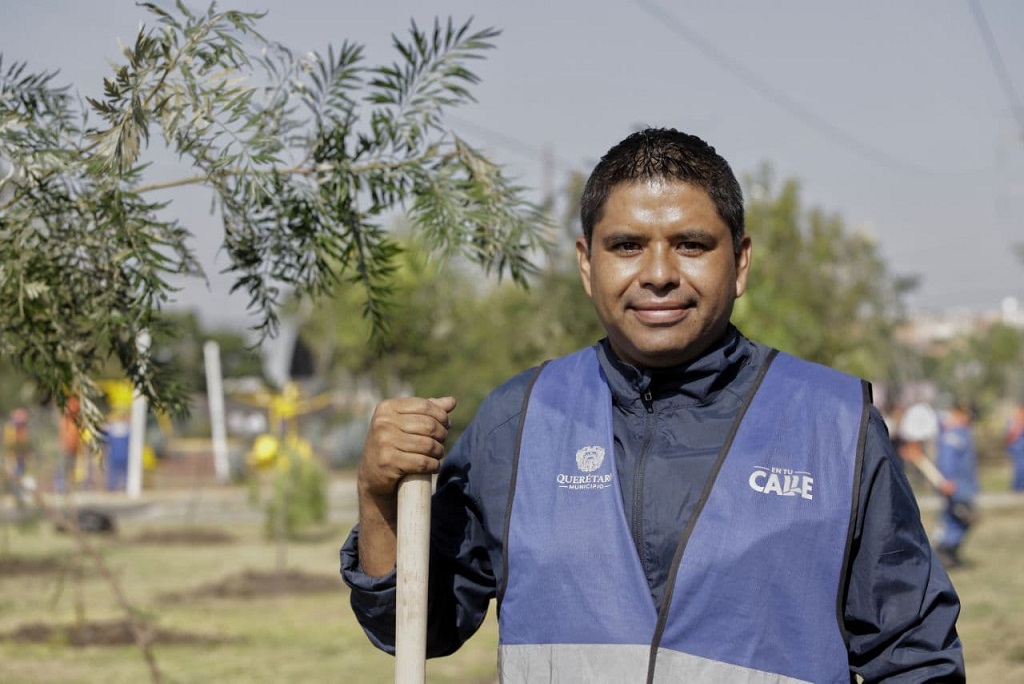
626, 246
692, 247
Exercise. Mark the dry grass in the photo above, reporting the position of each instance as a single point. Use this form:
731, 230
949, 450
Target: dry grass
274, 635
991, 588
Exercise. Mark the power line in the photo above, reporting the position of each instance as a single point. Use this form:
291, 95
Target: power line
780, 98
1002, 73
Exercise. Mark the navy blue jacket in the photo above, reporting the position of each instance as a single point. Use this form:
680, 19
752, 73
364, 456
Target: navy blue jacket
900, 609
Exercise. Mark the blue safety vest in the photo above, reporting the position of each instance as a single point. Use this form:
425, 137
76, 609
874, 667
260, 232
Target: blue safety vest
757, 587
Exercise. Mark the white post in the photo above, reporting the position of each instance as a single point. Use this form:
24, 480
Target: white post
137, 435
215, 397
412, 564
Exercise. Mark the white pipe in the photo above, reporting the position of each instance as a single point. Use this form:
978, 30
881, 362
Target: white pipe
137, 434
215, 398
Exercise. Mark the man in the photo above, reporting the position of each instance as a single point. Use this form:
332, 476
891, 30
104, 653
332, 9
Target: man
1015, 447
675, 503
69, 443
18, 445
18, 442
957, 461
917, 430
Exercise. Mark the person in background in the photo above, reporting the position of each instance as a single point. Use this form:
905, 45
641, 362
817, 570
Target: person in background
18, 441
914, 441
69, 444
1015, 447
18, 448
957, 460
676, 502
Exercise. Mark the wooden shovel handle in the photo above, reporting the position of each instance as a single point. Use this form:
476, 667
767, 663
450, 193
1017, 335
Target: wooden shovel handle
413, 554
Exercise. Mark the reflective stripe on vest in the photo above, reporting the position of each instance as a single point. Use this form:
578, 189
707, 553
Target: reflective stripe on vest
756, 591
598, 663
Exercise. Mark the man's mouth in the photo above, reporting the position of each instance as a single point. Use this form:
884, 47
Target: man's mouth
660, 314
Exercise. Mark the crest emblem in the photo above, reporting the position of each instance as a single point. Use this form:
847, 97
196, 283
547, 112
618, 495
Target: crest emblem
589, 458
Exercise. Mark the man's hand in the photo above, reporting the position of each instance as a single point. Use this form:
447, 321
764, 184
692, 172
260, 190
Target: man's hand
406, 436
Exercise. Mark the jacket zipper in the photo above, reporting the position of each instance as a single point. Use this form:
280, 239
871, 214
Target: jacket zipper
638, 482
648, 400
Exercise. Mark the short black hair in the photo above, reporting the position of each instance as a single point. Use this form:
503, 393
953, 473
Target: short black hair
664, 154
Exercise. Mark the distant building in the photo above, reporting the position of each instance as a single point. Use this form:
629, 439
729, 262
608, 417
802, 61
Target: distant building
926, 332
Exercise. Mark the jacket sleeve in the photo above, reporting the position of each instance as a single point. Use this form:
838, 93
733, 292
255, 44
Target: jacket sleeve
461, 583
900, 607
467, 520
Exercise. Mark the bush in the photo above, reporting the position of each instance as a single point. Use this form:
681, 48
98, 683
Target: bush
299, 489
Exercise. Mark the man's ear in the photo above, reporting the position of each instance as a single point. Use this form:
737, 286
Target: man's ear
743, 265
583, 260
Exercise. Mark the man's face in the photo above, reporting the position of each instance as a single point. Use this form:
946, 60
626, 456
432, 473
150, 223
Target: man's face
662, 272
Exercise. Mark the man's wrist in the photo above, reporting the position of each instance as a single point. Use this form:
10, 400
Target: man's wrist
377, 509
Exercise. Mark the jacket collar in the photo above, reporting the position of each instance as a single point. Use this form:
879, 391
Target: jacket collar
696, 382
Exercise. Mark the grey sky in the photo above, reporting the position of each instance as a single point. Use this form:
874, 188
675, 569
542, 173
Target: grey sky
890, 113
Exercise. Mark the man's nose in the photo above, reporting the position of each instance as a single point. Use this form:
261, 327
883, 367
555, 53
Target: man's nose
659, 268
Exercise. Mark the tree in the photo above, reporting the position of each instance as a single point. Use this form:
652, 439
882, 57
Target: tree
984, 365
815, 289
305, 158
454, 333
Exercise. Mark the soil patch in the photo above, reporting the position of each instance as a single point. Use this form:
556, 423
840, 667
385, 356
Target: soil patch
251, 584
110, 633
186, 536
11, 566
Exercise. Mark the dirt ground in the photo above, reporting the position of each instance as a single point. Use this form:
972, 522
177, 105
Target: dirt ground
252, 584
11, 566
110, 633
186, 536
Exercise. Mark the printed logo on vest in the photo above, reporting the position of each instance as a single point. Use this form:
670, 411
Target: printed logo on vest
782, 482
588, 459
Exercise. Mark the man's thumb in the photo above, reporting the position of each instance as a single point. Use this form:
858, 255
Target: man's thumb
446, 404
